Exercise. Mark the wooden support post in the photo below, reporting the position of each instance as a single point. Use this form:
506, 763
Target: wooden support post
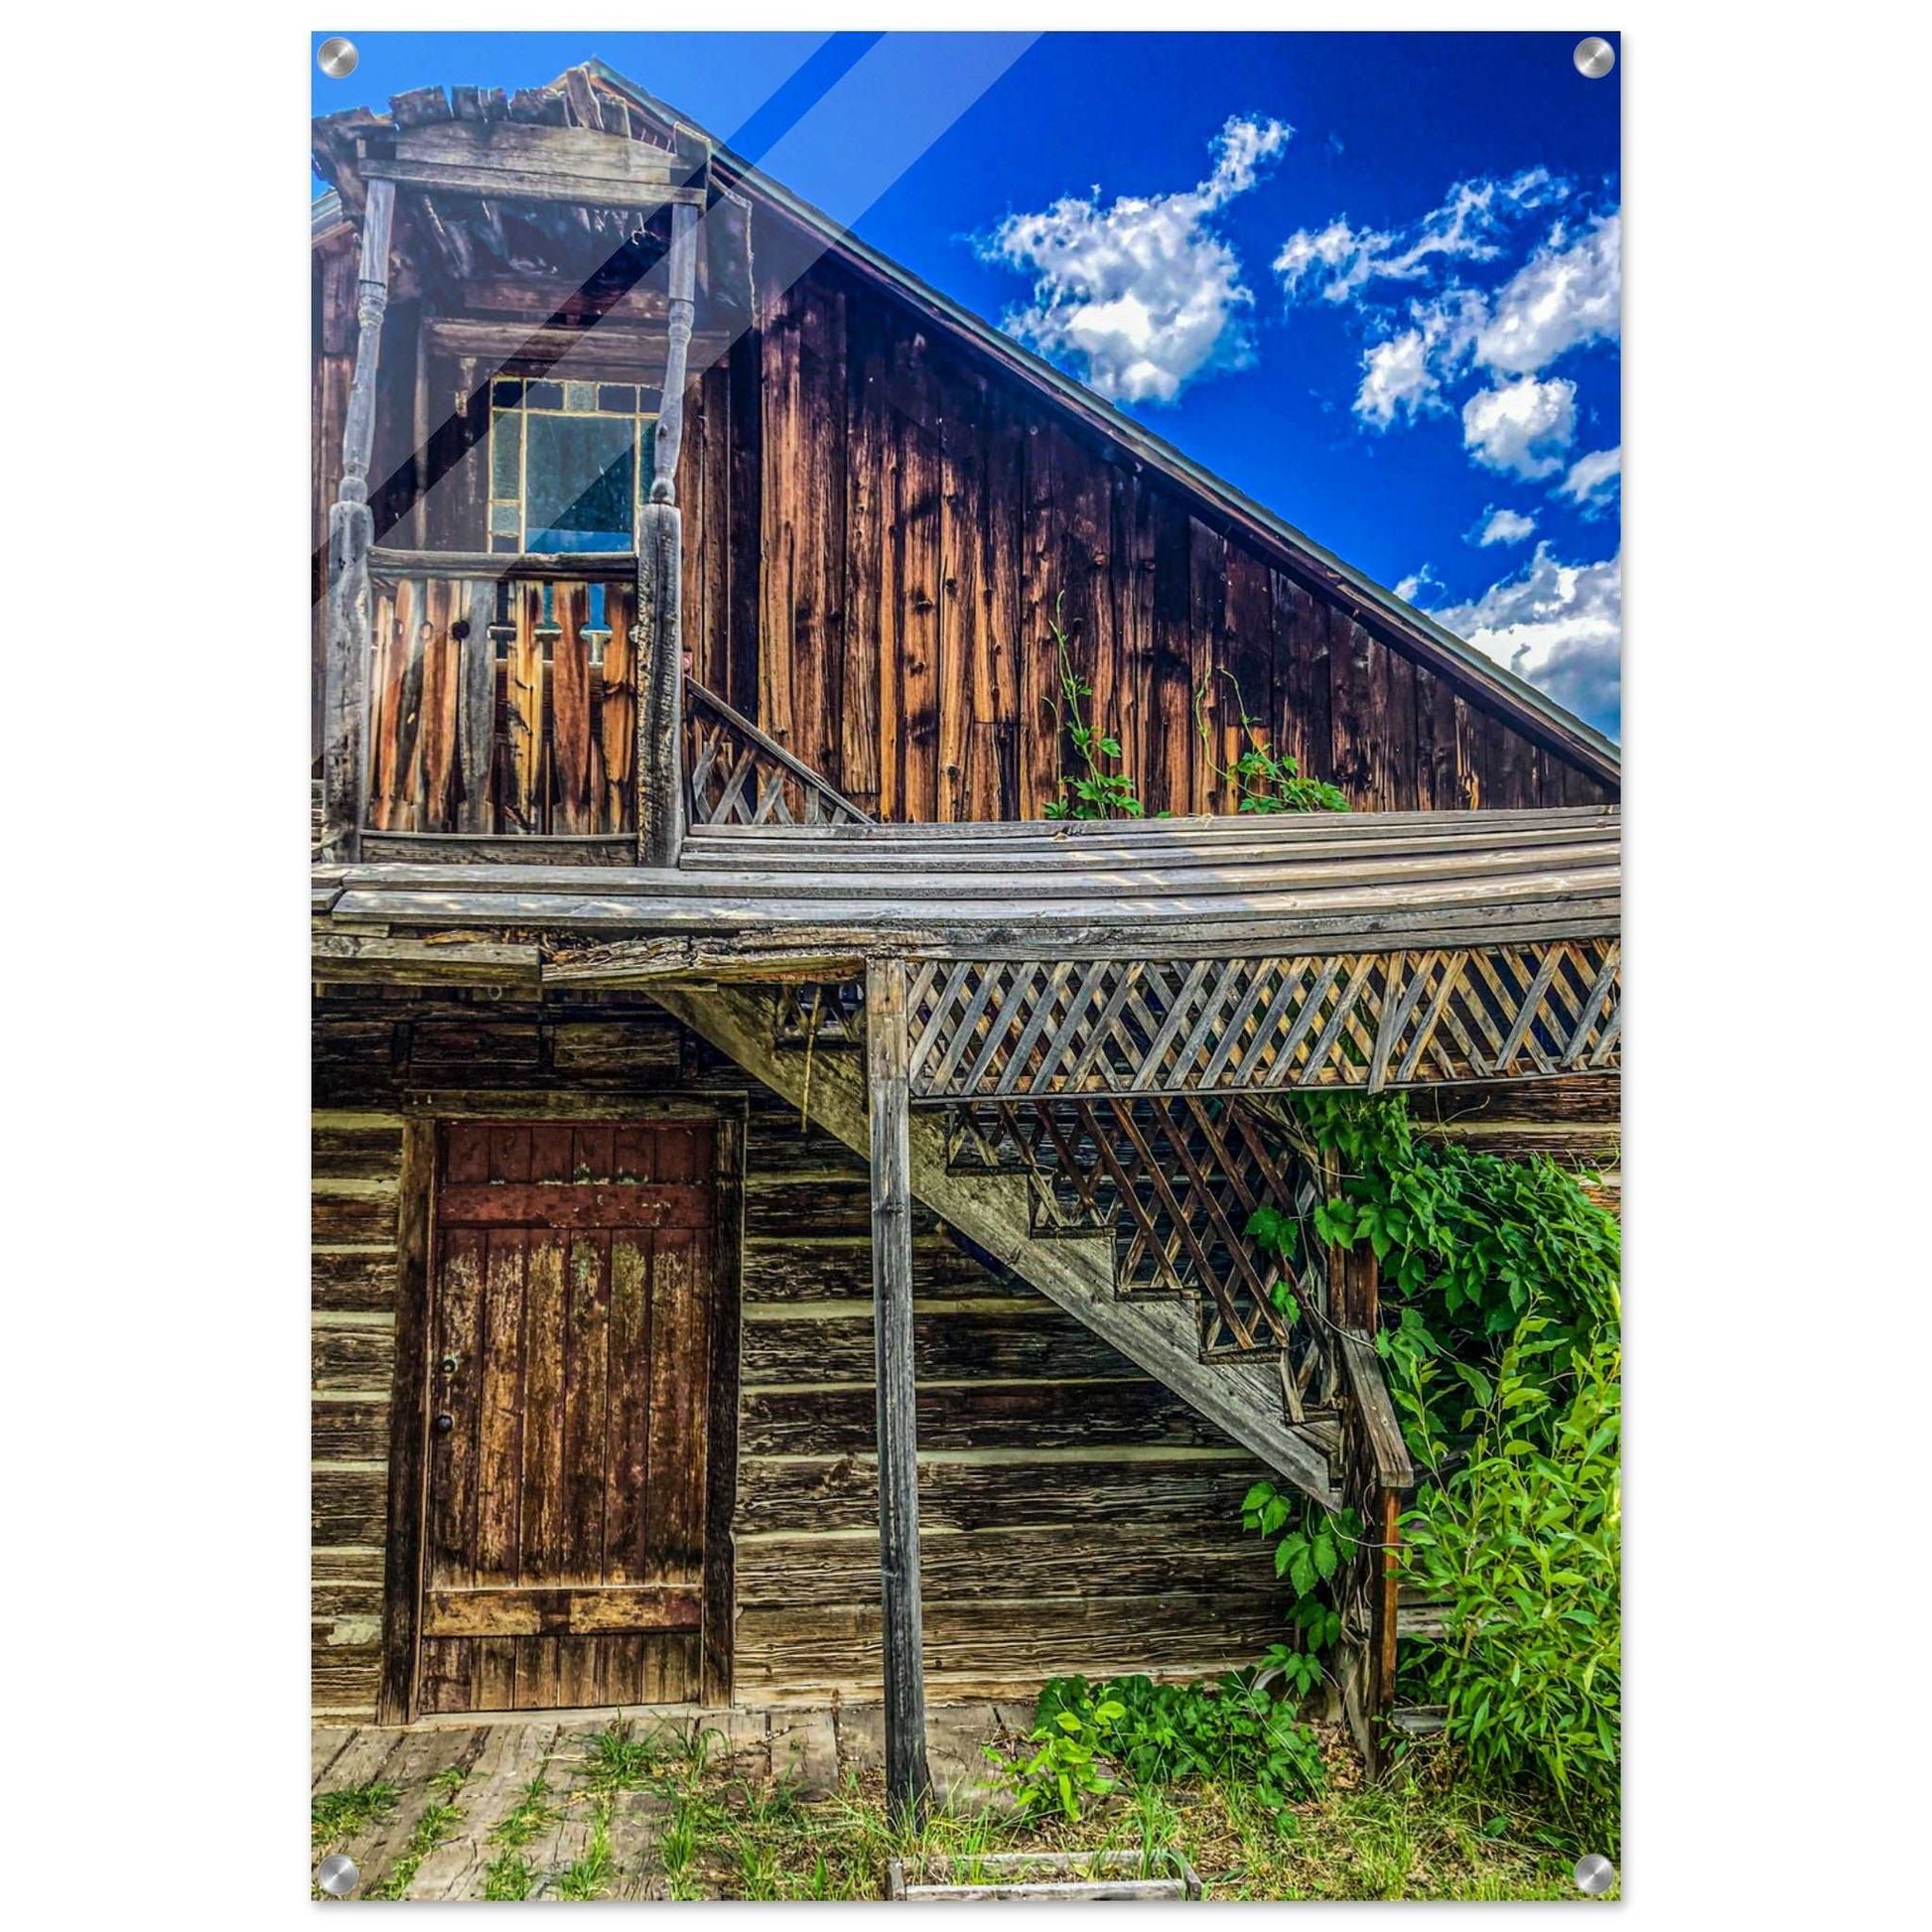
1386, 1528
660, 633
681, 314
346, 665
908, 1785
659, 653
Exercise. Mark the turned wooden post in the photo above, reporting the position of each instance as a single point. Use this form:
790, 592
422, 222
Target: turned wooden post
346, 664
907, 1783
660, 633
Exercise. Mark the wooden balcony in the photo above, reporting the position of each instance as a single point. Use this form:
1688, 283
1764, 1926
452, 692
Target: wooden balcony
503, 718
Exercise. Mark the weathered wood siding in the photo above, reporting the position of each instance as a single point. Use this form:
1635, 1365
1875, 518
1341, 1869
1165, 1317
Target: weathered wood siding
331, 283
879, 523
924, 515
1074, 1515
355, 1165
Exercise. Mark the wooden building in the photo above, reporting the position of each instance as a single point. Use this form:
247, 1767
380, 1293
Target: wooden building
778, 1202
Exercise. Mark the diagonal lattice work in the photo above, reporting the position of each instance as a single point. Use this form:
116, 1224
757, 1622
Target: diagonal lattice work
1017, 1027
1176, 1181
737, 775
830, 1013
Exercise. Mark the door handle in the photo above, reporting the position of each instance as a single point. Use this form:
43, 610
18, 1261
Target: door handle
443, 1423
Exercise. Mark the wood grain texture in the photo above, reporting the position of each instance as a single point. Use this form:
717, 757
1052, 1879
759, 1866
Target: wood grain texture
907, 1781
570, 1355
961, 488
1024, 1471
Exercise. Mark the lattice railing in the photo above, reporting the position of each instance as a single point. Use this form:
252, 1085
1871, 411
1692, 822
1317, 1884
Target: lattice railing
737, 775
997, 1029
1177, 1179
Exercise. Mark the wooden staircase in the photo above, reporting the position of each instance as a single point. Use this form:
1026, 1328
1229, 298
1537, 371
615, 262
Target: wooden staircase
1130, 1216
1336, 1441
991, 1210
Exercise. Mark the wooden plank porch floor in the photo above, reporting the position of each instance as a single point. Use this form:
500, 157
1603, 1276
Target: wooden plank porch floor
812, 1748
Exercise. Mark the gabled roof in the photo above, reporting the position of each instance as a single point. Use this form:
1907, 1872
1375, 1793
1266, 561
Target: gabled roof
1352, 588
1433, 638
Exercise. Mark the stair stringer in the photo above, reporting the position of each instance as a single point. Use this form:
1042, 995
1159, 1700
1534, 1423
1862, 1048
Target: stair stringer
990, 1211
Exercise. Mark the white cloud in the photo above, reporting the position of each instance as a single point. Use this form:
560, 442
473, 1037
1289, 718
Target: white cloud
1593, 481
1558, 624
1565, 296
1523, 428
1396, 377
1561, 297
1412, 589
1503, 526
1403, 374
1341, 259
1141, 295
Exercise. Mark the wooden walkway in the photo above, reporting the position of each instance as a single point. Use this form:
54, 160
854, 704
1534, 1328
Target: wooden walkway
812, 1750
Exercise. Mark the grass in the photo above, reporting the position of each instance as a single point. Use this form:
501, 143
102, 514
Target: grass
509, 1875
439, 1821
587, 1876
337, 1815
1417, 1834
714, 1832
667, 1761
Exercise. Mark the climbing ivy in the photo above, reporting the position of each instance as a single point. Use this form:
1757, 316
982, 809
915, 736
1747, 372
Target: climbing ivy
1501, 1344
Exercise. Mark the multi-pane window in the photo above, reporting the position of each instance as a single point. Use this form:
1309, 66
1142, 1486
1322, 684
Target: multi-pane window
570, 463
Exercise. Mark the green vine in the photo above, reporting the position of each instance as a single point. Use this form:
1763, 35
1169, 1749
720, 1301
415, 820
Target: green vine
1261, 778
1095, 790
1500, 1342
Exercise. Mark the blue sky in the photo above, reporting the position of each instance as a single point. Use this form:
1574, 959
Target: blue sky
1373, 280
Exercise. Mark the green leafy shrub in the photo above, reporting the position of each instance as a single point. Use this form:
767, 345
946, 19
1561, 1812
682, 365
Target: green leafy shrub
1066, 1769
1499, 1342
1232, 1730
1521, 1542
1469, 1237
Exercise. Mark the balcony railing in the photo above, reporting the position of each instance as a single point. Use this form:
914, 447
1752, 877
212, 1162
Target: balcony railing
502, 705
735, 774
502, 698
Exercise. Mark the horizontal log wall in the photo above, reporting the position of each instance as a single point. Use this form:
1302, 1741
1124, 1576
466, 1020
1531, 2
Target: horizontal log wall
1575, 1122
356, 1165
1074, 1515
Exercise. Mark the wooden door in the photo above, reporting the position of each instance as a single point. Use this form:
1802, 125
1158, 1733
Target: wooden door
569, 1333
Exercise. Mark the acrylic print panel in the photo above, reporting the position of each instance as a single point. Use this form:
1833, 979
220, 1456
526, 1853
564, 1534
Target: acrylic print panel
967, 982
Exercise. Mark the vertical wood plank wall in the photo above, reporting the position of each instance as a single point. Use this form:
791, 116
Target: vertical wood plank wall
1074, 1515
923, 514
881, 523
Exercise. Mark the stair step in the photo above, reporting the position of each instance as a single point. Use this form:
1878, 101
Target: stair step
1241, 1395
1419, 1720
